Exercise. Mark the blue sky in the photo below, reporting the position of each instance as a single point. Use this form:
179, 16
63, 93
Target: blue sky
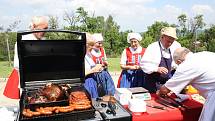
134, 15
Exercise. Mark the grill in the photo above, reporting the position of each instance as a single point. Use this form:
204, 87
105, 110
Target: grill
58, 61
73, 115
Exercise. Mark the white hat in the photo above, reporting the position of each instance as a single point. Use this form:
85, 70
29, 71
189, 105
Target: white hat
169, 31
136, 36
98, 37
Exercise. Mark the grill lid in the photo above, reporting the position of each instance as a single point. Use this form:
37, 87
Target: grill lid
59, 56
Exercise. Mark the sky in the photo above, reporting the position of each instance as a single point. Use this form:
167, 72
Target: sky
134, 15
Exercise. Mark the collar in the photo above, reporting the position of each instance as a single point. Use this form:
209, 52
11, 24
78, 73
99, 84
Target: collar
136, 50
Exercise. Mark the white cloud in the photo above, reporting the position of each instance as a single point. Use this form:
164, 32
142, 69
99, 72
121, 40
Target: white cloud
207, 11
202, 9
129, 14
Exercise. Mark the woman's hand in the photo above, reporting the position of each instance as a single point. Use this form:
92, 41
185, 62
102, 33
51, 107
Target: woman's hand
97, 68
135, 67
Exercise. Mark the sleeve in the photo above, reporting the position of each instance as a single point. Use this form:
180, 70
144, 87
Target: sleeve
184, 75
151, 59
16, 59
87, 64
123, 58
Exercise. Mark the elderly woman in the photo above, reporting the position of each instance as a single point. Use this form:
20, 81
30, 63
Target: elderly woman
132, 75
98, 81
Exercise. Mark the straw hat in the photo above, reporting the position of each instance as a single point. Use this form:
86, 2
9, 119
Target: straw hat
169, 31
98, 37
136, 36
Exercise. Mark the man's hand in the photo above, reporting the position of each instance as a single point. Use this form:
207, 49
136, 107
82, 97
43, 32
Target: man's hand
163, 91
162, 70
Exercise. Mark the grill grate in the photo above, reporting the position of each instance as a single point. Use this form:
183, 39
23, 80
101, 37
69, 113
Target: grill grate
68, 116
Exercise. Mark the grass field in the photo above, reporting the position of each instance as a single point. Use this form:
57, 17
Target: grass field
5, 69
113, 64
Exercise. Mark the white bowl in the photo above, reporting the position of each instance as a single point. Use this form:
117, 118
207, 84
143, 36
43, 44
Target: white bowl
137, 105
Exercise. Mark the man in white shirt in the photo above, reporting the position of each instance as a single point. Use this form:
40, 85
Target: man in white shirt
157, 60
12, 87
198, 70
37, 23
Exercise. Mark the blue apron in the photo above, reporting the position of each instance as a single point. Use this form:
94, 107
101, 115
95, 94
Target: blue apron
99, 84
151, 80
132, 78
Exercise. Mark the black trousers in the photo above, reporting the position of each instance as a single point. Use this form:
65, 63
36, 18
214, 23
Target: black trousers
152, 79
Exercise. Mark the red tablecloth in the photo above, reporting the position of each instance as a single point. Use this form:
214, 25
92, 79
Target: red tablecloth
170, 114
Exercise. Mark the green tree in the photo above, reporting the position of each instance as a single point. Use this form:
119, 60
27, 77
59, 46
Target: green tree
182, 20
53, 22
153, 33
7, 41
208, 38
112, 36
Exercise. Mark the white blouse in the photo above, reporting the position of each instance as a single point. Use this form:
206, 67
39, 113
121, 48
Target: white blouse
89, 63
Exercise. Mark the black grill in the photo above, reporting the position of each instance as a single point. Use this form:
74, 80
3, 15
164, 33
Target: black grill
59, 61
73, 115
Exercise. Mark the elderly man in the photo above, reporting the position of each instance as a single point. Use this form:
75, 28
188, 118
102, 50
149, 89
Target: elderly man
11, 89
157, 59
198, 70
37, 23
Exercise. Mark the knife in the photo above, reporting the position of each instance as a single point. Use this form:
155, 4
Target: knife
179, 103
155, 106
165, 104
168, 102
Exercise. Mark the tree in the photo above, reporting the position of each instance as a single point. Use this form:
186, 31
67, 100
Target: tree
112, 37
9, 46
208, 38
153, 33
182, 20
53, 22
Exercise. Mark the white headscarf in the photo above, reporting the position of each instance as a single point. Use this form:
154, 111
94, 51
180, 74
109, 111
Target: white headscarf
136, 36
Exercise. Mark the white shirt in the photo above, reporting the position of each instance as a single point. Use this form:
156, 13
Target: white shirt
89, 63
133, 51
198, 70
16, 59
98, 53
152, 56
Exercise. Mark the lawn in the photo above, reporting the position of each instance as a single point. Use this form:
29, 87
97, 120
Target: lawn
5, 69
113, 64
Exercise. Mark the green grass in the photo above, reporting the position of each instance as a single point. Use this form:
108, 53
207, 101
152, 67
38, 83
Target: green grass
113, 64
5, 69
